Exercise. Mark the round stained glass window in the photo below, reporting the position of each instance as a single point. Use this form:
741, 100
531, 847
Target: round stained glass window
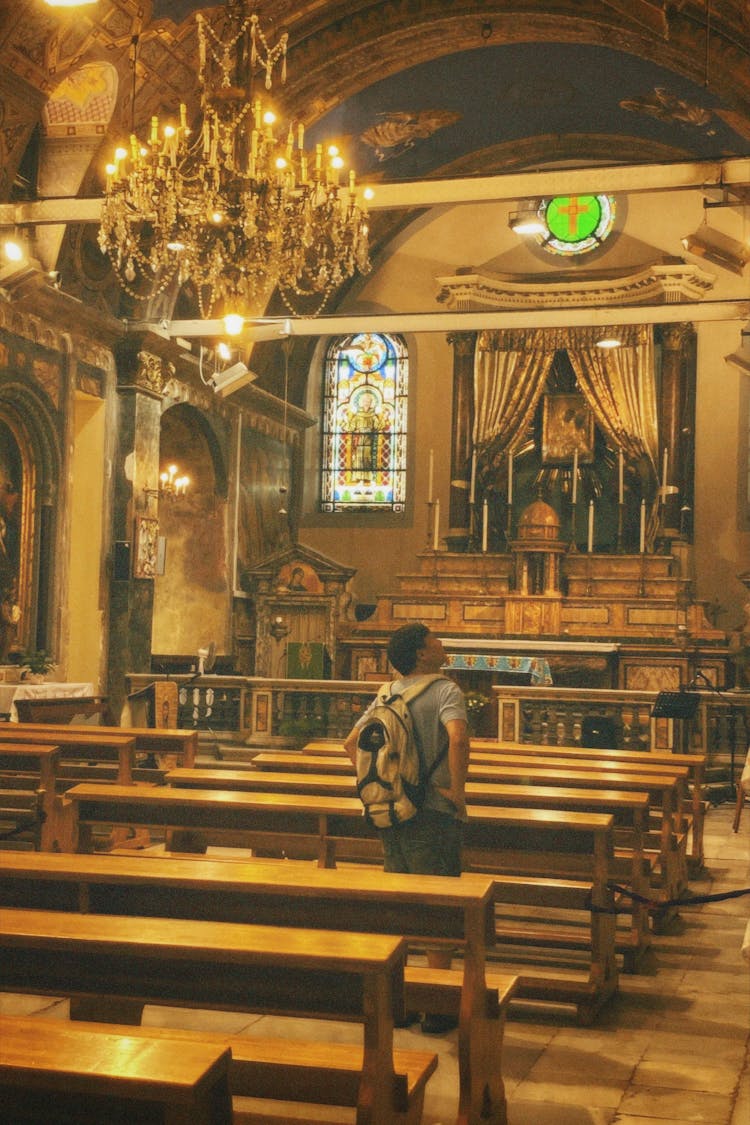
576, 224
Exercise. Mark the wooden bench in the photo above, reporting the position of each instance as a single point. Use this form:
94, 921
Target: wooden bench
669, 845
629, 810
178, 746
695, 764
265, 1068
509, 841
112, 966
55, 1071
432, 910
29, 808
88, 747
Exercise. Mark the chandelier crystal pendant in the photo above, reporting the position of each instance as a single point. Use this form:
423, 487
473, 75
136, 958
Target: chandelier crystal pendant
235, 206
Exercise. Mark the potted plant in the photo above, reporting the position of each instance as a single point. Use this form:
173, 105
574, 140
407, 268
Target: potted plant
476, 707
37, 664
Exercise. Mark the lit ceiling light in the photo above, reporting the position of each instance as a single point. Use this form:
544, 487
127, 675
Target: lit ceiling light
68, 3
12, 250
233, 324
607, 342
526, 221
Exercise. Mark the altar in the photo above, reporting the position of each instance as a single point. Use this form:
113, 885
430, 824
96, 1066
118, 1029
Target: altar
505, 669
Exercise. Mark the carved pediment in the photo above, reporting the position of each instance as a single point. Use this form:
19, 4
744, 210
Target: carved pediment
666, 283
299, 570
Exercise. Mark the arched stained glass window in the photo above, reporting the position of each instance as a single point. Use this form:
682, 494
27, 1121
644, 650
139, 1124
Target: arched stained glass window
365, 389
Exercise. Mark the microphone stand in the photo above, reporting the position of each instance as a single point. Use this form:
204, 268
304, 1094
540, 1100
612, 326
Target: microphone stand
733, 710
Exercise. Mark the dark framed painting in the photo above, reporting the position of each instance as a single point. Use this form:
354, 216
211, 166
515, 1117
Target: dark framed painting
567, 428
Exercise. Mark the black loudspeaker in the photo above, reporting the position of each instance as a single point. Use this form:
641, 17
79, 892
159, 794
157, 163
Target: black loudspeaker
121, 563
599, 732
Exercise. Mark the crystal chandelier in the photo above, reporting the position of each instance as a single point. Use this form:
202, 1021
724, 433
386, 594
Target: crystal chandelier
233, 206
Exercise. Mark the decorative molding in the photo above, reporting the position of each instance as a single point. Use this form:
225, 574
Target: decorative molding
662, 283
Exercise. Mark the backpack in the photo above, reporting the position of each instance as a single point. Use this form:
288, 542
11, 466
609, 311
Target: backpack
391, 773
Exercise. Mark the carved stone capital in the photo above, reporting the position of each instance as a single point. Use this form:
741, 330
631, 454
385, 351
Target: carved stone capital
140, 369
462, 342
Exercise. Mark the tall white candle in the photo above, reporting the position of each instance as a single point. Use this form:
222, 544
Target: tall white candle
665, 465
642, 543
485, 518
591, 526
430, 475
436, 527
574, 490
473, 487
510, 478
621, 478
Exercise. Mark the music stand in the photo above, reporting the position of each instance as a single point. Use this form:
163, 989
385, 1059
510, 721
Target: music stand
675, 705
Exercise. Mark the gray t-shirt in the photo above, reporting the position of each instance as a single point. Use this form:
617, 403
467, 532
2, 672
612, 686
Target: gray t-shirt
442, 701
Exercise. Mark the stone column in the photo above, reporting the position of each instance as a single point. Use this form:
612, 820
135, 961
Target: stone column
677, 426
142, 376
461, 443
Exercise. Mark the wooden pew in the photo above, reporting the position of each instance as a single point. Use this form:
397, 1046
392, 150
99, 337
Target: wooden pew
629, 811
665, 788
655, 759
534, 842
266, 1068
183, 744
88, 746
109, 964
28, 802
55, 1071
430, 910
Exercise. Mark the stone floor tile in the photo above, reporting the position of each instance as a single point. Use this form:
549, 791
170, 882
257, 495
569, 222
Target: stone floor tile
685, 1106
198, 1019
552, 1113
17, 1004
686, 1074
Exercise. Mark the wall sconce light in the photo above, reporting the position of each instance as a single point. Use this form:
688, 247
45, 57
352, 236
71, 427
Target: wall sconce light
718, 248
171, 484
526, 220
278, 629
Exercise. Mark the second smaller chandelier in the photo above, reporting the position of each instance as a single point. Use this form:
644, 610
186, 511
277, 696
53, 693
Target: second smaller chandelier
235, 206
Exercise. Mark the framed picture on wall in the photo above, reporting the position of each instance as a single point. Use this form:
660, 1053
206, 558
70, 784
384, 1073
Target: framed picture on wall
146, 547
567, 426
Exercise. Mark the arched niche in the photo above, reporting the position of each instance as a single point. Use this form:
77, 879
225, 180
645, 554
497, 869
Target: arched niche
192, 601
30, 460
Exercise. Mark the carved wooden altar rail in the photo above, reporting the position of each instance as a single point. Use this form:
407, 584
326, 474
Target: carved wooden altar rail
260, 709
266, 712
560, 716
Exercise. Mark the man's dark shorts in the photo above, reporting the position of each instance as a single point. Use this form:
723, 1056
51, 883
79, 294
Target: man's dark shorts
428, 844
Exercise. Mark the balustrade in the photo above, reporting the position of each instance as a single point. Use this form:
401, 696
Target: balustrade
260, 711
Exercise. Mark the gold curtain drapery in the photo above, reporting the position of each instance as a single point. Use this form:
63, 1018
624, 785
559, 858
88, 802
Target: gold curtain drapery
510, 369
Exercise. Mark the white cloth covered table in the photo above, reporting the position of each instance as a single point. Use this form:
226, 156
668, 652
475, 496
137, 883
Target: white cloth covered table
9, 693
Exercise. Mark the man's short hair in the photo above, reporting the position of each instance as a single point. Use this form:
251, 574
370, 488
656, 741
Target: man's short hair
404, 646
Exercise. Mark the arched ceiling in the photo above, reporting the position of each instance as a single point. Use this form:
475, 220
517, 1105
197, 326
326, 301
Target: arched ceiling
414, 88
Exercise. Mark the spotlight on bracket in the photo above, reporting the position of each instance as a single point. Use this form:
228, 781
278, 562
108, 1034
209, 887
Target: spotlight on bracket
718, 248
232, 378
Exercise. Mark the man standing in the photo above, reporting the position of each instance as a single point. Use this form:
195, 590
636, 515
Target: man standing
429, 843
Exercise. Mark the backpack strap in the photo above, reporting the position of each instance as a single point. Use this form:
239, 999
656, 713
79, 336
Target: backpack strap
413, 690
408, 695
